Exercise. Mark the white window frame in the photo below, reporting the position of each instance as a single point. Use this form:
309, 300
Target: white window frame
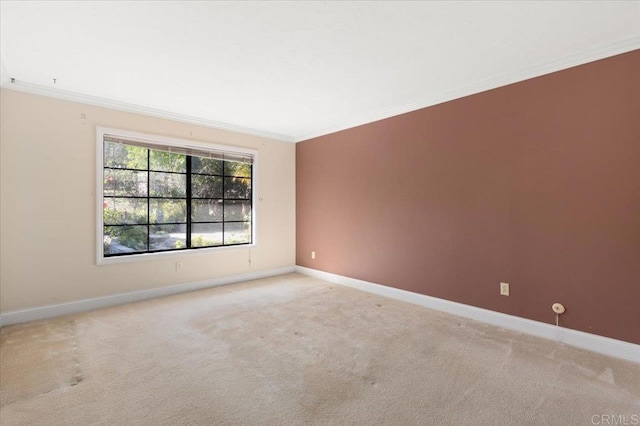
162, 140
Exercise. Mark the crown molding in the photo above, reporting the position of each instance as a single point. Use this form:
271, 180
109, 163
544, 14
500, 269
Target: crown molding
590, 55
580, 58
36, 89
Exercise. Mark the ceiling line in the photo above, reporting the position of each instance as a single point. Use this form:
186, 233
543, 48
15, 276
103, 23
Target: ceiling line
590, 55
581, 58
67, 95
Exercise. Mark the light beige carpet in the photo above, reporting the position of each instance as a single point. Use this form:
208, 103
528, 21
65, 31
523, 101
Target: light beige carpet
294, 350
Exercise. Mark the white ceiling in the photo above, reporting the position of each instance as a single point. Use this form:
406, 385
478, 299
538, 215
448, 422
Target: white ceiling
295, 70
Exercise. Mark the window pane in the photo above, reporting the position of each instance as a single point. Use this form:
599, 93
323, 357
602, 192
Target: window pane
122, 156
125, 239
146, 200
118, 211
206, 186
232, 168
207, 166
168, 237
206, 234
167, 162
206, 210
237, 210
167, 211
237, 233
167, 185
237, 188
125, 182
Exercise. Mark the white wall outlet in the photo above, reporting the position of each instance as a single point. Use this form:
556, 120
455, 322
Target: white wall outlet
504, 289
178, 266
313, 254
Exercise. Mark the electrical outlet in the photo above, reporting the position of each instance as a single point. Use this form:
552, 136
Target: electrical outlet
504, 289
313, 254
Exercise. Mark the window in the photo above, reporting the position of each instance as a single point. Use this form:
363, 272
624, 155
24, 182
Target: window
158, 195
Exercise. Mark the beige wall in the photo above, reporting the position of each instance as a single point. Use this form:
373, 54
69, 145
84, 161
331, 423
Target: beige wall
48, 217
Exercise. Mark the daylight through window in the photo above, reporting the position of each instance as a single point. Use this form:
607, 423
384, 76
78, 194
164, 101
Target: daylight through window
173, 198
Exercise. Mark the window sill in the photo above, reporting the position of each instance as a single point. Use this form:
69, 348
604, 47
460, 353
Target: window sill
170, 254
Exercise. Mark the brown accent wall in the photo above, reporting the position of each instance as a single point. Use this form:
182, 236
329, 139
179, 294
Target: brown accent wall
536, 184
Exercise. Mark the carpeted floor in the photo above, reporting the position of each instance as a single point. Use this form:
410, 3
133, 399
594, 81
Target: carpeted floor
294, 350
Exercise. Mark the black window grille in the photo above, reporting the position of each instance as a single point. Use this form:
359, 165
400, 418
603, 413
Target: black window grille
157, 200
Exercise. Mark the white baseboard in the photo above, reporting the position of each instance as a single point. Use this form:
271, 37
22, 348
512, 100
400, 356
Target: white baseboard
592, 342
50, 311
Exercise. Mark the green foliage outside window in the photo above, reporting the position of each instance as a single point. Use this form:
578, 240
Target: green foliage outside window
146, 196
